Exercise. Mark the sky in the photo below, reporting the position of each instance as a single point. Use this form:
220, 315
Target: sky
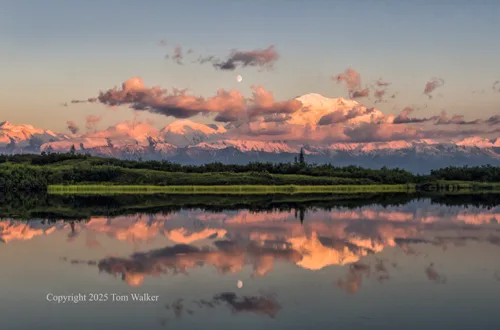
55, 51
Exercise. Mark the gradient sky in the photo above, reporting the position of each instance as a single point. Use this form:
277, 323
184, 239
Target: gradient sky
54, 51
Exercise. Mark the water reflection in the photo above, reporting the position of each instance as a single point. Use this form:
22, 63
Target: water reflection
433, 275
226, 257
352, 282
232, 240
349, 249
261, 305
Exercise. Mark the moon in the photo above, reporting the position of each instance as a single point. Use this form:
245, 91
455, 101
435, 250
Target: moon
239, 78
239, 284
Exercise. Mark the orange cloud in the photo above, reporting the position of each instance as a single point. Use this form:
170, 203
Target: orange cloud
227, 105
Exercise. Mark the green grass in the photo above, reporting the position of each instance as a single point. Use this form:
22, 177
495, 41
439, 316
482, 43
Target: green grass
467, 186
113, 189
230, 189
78, 174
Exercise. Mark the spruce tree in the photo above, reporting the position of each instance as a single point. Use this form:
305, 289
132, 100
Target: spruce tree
302, 160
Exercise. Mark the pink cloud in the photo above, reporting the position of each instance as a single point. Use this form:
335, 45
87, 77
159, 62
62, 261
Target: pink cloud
72, 127
351, 78
227, 105
455, 119
261, 117
382, 132
91, 121
379, 94
493, 120
431, 85
263, 58
341, 117
382, 83
177, 56
403, 117
361, 93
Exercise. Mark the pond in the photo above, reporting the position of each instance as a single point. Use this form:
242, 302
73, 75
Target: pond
424, 263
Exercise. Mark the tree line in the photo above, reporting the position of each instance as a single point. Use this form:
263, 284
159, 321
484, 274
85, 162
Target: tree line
32, 172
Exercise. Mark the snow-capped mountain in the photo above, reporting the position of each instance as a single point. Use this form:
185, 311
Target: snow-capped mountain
185, 132
189, 142
417, 156
248, 146
22, 136
479, 142
316, 106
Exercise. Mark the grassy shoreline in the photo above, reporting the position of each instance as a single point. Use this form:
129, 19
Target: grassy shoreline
82, 174
111, 189
229, 189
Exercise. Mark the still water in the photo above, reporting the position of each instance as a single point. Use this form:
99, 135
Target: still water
420, 265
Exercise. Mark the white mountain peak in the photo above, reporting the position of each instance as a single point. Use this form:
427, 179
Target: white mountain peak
210, 140
185, 132
249, 145
185, 125
124, 131
318, 100
315, 106
479, 142
21, 134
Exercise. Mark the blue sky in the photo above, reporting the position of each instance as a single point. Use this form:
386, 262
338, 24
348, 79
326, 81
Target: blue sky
53, 51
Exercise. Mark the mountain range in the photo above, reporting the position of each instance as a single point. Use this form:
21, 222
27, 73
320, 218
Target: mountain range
188, 142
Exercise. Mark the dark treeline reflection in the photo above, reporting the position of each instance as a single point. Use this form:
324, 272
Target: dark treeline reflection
71, 207
467, 200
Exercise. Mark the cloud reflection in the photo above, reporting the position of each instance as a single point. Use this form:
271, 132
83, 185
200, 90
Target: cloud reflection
226, 257
352, 282
232, 240
265, 305
433, 275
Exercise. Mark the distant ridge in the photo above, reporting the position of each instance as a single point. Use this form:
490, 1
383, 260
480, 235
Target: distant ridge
186, 141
